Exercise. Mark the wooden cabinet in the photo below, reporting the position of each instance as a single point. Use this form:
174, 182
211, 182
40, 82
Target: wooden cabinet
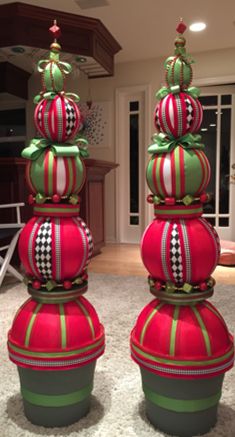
92, 199
14, 189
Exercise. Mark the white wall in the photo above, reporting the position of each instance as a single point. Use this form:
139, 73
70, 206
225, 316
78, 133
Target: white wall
214, 64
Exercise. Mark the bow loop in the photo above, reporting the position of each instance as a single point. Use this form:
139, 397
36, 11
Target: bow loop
163, 144
37, 146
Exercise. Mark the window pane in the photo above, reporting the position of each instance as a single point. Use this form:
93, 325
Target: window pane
211, 220
226, 100
134, 106
224, 221
208, 100
134, 220
224, 161
134, 163
208, 132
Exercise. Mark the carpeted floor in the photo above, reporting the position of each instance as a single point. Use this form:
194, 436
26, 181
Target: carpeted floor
117, 400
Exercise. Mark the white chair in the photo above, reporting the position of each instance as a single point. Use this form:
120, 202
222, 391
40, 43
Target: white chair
7, 231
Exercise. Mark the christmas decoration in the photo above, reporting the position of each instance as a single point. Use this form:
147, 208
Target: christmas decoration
170, 174
58, 119
56, 336
52, 175
178, 114
180, 341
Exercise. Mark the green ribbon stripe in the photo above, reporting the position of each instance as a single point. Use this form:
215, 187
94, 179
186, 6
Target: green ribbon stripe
63, 327
55, 354
204, 331
50, 171
151, 315
31, 323
182, 363
181, 405
57, 209
62, 400
173, 330
181, 211
89, 319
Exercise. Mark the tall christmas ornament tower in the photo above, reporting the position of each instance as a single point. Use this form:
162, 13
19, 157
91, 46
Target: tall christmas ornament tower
56, 335
180, 340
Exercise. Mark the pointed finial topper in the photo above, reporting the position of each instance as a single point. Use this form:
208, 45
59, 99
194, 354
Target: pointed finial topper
181, 27
55, 31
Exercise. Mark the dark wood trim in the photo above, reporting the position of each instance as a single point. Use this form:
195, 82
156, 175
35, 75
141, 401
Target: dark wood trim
13, 80
23, 24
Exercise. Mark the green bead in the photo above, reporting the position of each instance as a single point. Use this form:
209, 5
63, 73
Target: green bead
188, 199
170, 287
188, 288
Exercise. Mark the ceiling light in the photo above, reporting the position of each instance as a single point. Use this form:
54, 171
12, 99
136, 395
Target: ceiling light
197, 27
18, 49
212, 125
81, 59
204, 129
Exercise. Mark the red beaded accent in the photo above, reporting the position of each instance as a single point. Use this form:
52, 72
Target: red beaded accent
204, 197
30, 199
181, 27
67, 285
56, 198
36, 285
55, 30
203, 286
170, 201
150, 198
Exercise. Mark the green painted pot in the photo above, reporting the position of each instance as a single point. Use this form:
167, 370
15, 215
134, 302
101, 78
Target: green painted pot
56, 398
181, 407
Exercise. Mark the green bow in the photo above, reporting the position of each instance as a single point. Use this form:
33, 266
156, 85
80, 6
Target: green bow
53, 72
175, 89
64, 66
50, 95
164, 144
37, 146
82, 143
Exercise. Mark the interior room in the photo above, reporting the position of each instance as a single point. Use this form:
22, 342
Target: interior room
119, 52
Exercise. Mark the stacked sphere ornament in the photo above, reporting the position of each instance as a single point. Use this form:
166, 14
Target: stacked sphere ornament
180, 341
56, 336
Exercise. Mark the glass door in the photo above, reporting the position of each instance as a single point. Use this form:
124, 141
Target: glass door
217, 132
131, 159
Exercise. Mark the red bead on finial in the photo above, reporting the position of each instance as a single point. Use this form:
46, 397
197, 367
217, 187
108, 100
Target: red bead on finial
181, 27
55, 31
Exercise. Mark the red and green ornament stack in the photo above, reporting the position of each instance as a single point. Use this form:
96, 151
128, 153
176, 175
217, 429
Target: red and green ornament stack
180, 341
56, 336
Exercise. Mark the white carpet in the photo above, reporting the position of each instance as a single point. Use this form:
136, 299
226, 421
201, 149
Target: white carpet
117, 400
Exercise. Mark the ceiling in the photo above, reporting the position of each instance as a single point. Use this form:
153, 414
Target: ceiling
146, 28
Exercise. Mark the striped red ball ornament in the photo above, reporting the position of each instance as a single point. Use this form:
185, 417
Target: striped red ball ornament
50, 174
178, 173
178, 114
55, 248
180, 251
55, 336
57, 119
182, 341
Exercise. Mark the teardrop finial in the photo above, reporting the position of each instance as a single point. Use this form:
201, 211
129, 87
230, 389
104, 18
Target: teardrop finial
181, 27
55, 31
